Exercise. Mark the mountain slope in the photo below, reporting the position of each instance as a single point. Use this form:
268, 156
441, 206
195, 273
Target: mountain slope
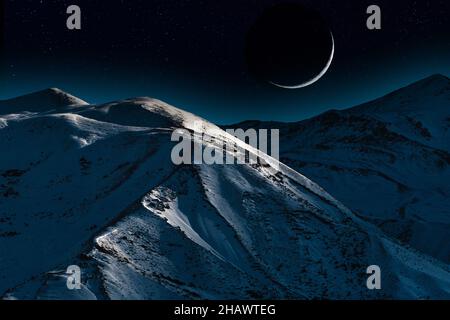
94, 186
420, 111
39, 101
387, 160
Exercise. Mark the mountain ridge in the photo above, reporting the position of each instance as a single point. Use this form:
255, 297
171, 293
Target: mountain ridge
439, 78
393, 150
40, 101
94, 185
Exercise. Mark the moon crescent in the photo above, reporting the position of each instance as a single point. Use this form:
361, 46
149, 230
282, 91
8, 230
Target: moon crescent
320, 75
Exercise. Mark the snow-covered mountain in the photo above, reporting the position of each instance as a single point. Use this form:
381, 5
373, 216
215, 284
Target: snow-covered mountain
94, 186
387, 160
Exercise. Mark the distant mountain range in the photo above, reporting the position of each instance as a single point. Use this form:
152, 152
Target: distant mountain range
94, 186
387, 160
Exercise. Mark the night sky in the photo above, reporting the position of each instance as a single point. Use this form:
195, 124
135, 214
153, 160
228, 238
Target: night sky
191, 54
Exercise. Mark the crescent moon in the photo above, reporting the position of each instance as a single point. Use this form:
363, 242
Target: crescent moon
316, 78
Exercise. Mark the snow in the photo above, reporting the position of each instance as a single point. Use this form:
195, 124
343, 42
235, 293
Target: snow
94, 186
40, 101
387, 160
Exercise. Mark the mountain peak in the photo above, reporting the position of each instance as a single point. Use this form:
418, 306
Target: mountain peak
438, 76
53, 91
432, 90
39, 101
63, 98
435, 80
433, 85
434, 76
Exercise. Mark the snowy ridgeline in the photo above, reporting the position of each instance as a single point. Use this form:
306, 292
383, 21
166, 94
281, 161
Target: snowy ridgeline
387, 160
94, 186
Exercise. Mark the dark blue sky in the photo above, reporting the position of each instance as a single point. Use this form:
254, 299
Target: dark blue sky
191, 54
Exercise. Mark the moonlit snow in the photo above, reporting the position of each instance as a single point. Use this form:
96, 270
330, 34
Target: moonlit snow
94, 186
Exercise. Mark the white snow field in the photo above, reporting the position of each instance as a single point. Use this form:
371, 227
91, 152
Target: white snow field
94, 186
